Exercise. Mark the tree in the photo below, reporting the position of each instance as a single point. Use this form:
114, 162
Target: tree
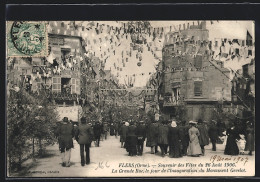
29, 117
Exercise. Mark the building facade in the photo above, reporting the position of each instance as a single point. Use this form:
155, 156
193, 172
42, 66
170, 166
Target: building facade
192, 82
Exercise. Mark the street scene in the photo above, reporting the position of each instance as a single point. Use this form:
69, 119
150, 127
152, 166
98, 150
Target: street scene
130, 98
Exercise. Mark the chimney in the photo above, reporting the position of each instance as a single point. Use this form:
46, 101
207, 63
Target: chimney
203, 25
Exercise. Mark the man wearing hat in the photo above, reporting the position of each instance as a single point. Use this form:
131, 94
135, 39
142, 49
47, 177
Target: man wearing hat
163, 137
123, 132
203, 137
84, 135
97, 128
213, 134
141, 134
65, 134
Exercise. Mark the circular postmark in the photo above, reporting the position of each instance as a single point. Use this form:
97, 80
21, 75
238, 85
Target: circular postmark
28, 37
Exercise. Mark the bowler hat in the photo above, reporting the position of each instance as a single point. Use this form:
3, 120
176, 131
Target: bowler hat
65, 119
83, 120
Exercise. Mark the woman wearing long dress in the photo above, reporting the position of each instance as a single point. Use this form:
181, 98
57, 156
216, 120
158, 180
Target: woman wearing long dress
194, 148
250, 140
174, 140
232, 137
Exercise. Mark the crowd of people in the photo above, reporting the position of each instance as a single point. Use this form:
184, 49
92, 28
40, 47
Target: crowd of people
177, 139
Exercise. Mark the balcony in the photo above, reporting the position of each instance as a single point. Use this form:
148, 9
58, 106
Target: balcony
170, 101
63, 96
149, 98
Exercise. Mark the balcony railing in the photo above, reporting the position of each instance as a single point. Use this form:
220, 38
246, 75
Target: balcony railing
170, 101
63, 96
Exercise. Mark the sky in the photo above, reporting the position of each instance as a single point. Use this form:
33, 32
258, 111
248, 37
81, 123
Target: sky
127, 70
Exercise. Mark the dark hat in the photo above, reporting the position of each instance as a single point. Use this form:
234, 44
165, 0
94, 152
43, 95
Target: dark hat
65, 119
164, 122
154, 121
200, 121
83, 120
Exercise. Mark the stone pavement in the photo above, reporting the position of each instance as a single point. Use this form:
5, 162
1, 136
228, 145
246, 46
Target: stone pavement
111, 160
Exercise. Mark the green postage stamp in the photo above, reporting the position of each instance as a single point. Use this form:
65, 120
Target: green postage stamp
26, 39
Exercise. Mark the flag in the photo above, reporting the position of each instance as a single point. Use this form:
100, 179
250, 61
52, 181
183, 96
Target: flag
50, 58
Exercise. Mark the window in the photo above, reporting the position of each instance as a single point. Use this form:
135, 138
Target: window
198, 61
56, 84
237, 51
75, 86
249, 43
249, 52
216, 43
197, 88
243, 43
62, 24
65, 51
37, 84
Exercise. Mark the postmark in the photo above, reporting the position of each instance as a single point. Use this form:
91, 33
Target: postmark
26, 39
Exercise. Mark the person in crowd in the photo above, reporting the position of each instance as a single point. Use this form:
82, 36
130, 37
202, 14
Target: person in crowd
194, 148
184, 136
84, 135
203, 137
213, 134
112, 129
123, 132
97, 129
131, 140
141, 134
174, 140
65, 133
163, 137
152, 137
116, 128
232, 137
102, 130
250, 140
105, 129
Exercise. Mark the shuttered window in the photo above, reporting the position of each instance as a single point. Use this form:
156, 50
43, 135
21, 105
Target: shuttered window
56, 84
75, 86
197, 88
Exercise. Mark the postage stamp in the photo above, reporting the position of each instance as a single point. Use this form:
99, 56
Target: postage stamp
26, 39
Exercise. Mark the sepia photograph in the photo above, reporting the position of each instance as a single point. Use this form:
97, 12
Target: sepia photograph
130, 98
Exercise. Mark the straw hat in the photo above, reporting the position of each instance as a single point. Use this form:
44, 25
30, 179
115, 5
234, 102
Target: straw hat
192, 122
174, 124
